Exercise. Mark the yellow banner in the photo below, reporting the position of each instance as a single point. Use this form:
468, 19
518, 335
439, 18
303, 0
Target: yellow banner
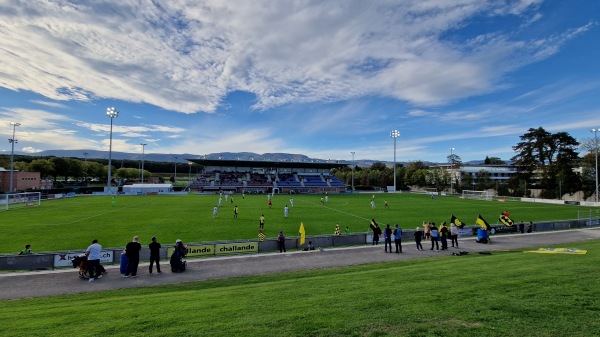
558, 251
236, 248
195, 251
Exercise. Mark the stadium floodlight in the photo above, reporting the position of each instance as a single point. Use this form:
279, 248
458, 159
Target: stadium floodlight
352, 171
12, 141
175, 176
595, 131
112, 113
143, 147
190, 175
395, 134
451, 170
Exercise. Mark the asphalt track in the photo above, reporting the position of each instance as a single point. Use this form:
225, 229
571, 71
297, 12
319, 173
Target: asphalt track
66, 281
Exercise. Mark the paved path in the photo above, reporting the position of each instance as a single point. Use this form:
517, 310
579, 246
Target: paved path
66, 281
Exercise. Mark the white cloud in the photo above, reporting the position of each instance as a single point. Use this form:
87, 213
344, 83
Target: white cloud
187, 55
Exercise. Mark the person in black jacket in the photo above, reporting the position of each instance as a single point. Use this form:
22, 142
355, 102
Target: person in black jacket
387, 235
154, 254
179, 252
132, 250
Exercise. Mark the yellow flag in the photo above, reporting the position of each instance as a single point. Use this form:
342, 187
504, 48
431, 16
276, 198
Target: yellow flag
302, 234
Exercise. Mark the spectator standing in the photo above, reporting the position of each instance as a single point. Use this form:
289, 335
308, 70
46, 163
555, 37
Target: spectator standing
376, 232
454, 235
154, 254
444, 232
387, 236
26, 251
281, 242
522, 227
427, 230
398, 238
347, 230
418, 237
530, 227
435, 236
93, 253
132, 250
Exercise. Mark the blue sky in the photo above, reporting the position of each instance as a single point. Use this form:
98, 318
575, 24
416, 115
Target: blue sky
320, 78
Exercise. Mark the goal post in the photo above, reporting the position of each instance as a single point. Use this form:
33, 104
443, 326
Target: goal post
17, 200
481, 195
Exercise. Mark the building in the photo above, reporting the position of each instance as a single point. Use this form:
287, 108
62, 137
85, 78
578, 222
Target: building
22, 181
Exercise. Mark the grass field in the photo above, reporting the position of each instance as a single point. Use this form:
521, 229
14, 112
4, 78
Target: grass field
503, 294
71, 224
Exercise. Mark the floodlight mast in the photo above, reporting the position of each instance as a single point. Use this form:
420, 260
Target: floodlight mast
451, 170
353, 171
12, 142
395, 134
143, 147
112, 113
595, 131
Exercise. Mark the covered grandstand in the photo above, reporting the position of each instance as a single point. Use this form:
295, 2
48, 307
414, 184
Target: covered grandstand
250, 176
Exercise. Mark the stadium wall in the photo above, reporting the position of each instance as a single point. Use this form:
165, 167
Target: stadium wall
53, 260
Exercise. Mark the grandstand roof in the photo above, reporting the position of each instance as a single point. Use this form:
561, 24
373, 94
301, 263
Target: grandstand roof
270, 164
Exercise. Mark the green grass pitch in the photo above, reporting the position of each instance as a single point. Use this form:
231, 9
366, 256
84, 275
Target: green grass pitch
71, 224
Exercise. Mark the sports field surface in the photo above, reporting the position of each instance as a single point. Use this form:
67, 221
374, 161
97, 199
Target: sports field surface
71, 223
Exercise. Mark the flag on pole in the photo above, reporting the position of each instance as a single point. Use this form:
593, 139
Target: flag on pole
302, 234
454, 220
506, 221
481, 222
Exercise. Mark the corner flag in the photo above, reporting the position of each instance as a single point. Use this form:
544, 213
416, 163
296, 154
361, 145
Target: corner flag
481, 222
302, 234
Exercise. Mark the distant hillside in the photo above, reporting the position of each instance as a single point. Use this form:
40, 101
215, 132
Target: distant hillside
184, 157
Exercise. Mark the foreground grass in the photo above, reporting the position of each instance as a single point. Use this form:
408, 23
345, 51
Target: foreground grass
71, 224
503, 294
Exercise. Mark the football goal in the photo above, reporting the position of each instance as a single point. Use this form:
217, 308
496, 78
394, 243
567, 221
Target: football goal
431, 190
481, 195
16, 200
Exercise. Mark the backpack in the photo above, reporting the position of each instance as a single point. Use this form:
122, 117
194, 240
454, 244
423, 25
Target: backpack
434, 233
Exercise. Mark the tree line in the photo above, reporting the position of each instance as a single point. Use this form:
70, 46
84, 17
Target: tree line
69, 169
545, 161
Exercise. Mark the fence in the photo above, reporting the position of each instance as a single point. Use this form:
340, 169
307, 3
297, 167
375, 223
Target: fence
219, 249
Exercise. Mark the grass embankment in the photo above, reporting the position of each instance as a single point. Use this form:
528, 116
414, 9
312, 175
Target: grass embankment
503, 294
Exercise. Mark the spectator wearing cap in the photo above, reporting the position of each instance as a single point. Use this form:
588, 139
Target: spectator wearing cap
398, 238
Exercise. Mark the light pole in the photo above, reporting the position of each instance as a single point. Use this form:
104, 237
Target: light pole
595, 131
175, 176
143, 147
352, 171
12, 141
85, 154
451, 170
190, 175
395, 134
112, 113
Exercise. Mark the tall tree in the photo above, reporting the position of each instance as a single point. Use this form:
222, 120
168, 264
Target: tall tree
542, 155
